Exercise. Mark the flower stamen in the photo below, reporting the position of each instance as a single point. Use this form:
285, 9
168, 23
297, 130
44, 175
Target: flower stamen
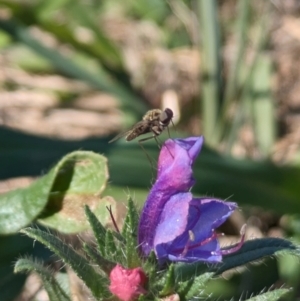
186, 248
238, 246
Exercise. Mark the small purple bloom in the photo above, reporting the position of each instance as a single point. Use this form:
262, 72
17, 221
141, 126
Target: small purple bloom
175, 225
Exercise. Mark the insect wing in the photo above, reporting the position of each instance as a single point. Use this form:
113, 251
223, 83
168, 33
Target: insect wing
140, 128
123, 134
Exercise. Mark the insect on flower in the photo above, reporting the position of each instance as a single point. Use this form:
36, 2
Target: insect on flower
154, 121
176, 225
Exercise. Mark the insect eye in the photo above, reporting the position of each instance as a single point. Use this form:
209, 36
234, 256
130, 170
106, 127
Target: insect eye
169, 113
166, 116
163, 117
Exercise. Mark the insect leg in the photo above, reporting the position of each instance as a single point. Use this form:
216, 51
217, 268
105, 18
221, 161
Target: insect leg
148, 157
168, 132
160, 144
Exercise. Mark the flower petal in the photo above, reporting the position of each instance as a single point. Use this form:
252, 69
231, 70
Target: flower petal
209, 252
186, 231
174, 224
174, 175
177, 152
209, 214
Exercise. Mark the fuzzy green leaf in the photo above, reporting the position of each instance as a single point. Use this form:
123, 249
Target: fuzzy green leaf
129, 231
94, 281
250, 251
112, 252
271, 296
54, 290
150, 266
196, 289
105, 264
185, 272
98, 229
193, 287
254, 250
170, 279
78, 178
132, 219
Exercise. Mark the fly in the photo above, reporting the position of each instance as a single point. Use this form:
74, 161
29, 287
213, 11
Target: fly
154, 121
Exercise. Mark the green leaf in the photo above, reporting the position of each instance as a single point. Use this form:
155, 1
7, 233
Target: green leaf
254, 250
112, 252
54, 290
169, 282
263, 105
105, 264
232, 85
20, 207
98, 229
271, 296
94, 281
211, 68
131, 220
80, 179
251, 251
58, 197
150, 266
129, 231
194, 287
185, 272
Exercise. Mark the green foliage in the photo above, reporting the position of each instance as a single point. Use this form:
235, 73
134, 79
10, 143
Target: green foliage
186, 280
111, 249
80, 265
109, 252
81, 176
256, 249
129, 232
249, 96
102, 49
251, 251
11, 248
98, 229
169, 282
54, 290
195, 287
105, 264
271, 296
78, 177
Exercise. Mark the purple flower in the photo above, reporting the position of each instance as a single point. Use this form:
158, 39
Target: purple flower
175, 225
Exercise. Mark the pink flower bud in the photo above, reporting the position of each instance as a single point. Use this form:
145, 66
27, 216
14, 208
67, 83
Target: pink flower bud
127, 284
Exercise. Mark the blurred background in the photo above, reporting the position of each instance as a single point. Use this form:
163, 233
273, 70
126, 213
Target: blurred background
75, 73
